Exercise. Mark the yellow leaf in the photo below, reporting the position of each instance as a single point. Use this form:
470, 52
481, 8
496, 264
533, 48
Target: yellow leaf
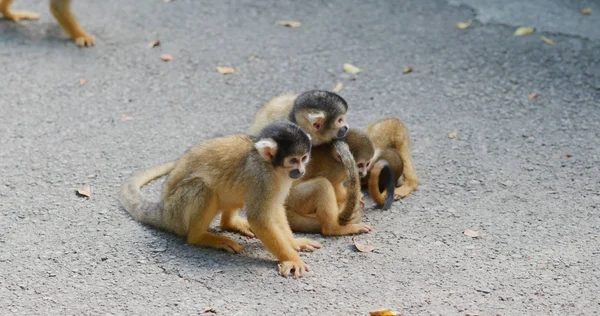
407, 70
363, 248
586, 11
453, 135
166, 57
225, 70
338, 87
524, 31
351, 69
464, 25
472, 233
292, 24
85, 191
547, 40
383, 312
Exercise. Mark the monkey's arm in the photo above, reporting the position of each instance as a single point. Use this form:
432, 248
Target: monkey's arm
16, 15
61, 9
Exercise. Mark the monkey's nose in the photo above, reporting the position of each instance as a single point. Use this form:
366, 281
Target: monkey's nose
342, 132
295, 174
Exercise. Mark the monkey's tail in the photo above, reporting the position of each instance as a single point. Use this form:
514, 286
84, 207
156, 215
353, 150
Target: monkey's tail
142, 210
352, 210
381, 184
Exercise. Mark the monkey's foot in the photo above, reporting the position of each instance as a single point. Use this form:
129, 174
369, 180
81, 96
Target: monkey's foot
84, 40
237, 224
305, 244
403, 191
286, 268
216, 241
349, 229
17, 16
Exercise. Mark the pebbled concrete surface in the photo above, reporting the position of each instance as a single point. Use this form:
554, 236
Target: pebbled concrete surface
507, 175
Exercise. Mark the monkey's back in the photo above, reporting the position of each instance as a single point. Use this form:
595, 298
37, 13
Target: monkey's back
323, 164
276, 110
394, 160
387, 132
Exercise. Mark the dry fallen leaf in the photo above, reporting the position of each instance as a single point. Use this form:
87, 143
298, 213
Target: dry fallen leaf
453, 135
292, 24
547, 40
251, 58
126, 117
363, 248
85, 191
351, 69
407, 70
464, 25
166, 57
472, 233
225, 70
383, 312
586, 11
338, 87
210, 310
569, 155
471, 314
82, 82
524, 31
154, 44
533, 96
167, 1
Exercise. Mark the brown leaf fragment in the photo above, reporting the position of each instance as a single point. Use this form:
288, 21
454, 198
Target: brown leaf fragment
125, 117
225, 70
338, 87
586, 11
569, 155
292, 24
166, 57
407, 70
453, 135
251, 58
471, 314
361, 247
82, 82
533, 96
472, 233
210, 310
85, 191
464, 25
154, 44
547, 40
383, 312
520, 31
166, 1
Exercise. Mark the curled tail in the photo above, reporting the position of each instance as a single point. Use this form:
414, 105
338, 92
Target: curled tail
381, 184
352, 210
142, 210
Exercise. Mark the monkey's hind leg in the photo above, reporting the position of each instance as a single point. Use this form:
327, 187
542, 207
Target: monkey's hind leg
198, 234
61, 9
231, 221
16, 15
410, 176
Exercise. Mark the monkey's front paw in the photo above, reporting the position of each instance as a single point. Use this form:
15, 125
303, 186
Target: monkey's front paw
298, 267
84, 40
402, 191
17, 16
305, 244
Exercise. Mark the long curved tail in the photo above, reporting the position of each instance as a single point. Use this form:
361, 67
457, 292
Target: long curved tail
142, 210
352, 211
381, 184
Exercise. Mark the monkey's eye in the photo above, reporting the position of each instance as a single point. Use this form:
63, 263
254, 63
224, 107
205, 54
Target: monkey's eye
360, 165
294, 160
341, 120
368, 164
304, 158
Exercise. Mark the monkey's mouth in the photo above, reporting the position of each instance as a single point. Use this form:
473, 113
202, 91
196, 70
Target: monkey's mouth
295, 174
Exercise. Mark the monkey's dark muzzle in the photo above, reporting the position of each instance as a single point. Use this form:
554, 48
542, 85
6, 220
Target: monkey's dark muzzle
342, 132
296, 173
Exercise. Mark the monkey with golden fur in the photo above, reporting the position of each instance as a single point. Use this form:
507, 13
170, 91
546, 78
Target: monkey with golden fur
61, 9
392, 144
222, 175
318, 202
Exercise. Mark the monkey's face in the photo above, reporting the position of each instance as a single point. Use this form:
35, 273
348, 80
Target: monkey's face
363, 167
296, 165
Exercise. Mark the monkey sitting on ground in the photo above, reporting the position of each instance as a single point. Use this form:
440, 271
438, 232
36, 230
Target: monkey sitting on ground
392, 144
314, 202
222, 175
61, 9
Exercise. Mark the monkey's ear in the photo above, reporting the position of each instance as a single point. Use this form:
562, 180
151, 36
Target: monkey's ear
267, 148
316, 119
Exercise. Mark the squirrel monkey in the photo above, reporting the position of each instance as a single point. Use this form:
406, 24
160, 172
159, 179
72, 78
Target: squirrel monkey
221, 175
392, 144
61, 9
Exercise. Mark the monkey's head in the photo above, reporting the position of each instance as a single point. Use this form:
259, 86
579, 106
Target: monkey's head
286, 146
362, 150
322, 114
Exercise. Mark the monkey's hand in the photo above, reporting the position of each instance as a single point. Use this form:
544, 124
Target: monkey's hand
305, 244
362, 200
17, 16
403, 191
84, 40
286, 268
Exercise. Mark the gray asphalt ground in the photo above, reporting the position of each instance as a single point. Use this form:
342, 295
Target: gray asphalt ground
507, 175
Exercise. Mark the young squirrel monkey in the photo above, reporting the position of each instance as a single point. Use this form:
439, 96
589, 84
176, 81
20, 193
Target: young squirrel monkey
61, 9
221, 175
392, 143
